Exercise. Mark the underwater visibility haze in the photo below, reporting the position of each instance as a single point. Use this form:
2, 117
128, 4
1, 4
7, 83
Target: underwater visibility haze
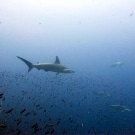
67, 67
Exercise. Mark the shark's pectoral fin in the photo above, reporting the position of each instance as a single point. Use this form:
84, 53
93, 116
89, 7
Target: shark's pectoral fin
58, 73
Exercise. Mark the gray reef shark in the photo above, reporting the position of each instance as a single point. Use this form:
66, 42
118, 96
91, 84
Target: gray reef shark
117, 64
53, 67
119, 107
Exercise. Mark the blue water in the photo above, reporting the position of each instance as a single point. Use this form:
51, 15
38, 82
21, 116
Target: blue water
61, 98
88, 37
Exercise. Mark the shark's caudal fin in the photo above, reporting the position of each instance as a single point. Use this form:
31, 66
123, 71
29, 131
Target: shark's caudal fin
29, 64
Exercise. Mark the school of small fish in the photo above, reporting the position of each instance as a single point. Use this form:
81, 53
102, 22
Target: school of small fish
49, 104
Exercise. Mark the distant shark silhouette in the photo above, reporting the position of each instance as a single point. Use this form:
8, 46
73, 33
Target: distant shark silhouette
53, 67
103, 94
120, 107
117, 64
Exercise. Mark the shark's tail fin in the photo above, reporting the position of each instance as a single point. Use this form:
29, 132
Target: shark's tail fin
29, 64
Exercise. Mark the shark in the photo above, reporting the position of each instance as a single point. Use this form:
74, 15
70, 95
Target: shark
103, 94
120, 107
53, 67
117, 64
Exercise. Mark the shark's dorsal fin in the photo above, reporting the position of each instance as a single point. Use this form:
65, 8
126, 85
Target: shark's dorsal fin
57, 61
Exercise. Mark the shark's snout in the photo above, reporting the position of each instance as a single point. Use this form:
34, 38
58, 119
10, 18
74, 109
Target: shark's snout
68, 71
